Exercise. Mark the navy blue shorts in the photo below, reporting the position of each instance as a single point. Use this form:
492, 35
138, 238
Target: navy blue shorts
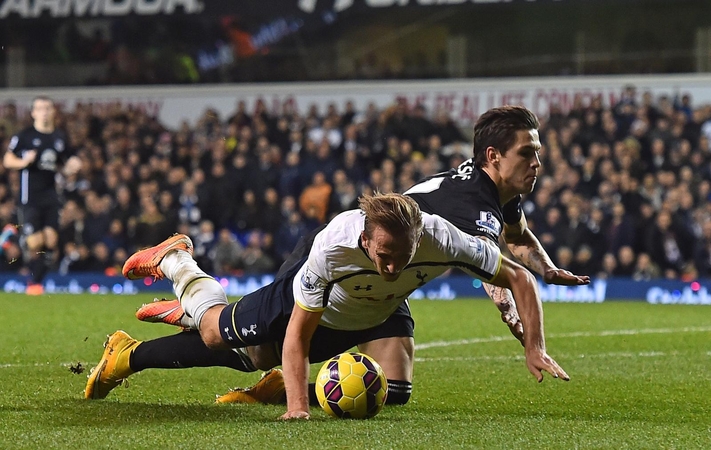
40, 214
262, 316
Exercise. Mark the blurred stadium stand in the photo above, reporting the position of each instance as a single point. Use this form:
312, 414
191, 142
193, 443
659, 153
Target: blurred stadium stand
255, 100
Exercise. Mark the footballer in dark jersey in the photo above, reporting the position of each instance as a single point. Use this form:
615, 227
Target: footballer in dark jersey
482, 197
38, 152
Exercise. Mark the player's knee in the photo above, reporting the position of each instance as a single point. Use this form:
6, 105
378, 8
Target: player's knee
264, 357
399, 392
212, 338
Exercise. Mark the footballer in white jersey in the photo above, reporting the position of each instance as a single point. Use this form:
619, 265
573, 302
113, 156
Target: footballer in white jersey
351, 290
339, 279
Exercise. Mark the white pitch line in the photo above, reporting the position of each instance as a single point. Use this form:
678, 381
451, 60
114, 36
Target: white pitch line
44, 364
575, 334
559, 357
438, 344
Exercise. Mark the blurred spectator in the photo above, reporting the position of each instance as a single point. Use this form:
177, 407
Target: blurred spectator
203, 244
645, 269
255, 258
663, 245
289, 234
620, 230
608, 266
315, 201
610, 174
271, 212
248, 216
702, 255
97, 222
227, 259
116, 237
584, 261
290, 182
625, 262
101, 259
189, 206
151, 226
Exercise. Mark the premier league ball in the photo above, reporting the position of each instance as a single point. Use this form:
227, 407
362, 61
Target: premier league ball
351, 386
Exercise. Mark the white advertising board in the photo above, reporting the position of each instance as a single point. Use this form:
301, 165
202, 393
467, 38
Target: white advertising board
464, 100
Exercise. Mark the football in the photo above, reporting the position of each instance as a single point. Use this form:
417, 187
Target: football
351, 386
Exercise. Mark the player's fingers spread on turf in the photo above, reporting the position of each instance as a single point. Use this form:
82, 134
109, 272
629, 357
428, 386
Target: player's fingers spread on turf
558, 372
563, 375
295, 415
535, 371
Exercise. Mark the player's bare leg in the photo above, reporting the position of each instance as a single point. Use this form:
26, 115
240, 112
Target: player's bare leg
396, 355
503, 299
34, 255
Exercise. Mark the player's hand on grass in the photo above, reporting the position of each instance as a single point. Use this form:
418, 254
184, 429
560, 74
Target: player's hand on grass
538, 362
295, 415
565, 278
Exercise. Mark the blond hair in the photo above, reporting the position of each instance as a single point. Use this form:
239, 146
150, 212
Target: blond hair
396, 213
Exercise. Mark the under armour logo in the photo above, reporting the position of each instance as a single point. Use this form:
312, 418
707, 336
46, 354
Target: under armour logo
252, 327
367, 288
420, 276
227, 332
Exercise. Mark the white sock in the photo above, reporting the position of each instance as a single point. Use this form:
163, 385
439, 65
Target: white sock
196, 290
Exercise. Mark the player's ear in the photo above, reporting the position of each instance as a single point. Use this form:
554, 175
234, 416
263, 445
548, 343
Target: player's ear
492, 155
363, 238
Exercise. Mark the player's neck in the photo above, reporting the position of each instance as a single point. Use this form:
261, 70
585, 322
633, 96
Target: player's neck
44, 128
505, 194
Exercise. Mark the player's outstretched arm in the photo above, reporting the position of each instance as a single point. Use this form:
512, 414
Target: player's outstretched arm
295, 360
526, 247
524, 287
504, 301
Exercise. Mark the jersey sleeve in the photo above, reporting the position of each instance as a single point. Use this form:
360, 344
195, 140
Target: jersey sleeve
310, 283
14, 145
476, 255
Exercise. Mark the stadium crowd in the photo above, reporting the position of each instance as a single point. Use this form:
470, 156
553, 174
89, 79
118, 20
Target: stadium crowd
623, 190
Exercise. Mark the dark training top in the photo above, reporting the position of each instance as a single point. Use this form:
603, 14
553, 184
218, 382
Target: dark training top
467, 198
38, 177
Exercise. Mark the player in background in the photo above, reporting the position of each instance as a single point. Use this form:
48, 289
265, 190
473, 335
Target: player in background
352, 289
38, 152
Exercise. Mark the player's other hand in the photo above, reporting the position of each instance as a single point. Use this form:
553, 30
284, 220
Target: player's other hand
295, 415
538, 362
29, 156
565, 277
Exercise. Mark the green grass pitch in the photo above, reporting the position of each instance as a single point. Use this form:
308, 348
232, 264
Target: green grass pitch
640, 379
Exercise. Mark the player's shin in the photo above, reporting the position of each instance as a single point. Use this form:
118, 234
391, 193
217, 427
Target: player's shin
185, 350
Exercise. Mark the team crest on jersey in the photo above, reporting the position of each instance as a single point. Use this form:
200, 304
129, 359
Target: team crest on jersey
59, 145
310, 281
36, 142
488, 223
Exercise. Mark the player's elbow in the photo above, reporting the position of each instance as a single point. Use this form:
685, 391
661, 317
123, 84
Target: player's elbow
520, 280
